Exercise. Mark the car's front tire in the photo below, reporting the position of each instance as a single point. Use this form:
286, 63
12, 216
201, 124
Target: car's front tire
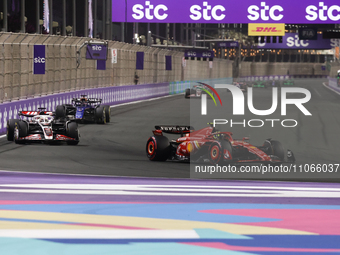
20, 130
72, 132
100, 115
10, 129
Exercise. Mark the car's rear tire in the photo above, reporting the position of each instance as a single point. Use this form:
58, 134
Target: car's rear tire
20, 130
158, 148
187, 93
10, 129
100, 115
107, 113
72, 132
60, 112
215, 153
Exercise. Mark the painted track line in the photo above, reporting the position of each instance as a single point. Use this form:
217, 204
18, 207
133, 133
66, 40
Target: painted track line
330, 89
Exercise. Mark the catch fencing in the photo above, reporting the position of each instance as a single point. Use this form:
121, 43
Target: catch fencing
17, 80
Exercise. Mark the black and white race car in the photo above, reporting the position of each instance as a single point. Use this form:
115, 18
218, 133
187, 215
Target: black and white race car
42, 126
198, 90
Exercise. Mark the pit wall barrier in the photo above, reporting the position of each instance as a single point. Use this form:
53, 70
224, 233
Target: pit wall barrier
109, 95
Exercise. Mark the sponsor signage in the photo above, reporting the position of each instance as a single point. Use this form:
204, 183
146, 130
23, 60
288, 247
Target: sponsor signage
227, 44
308, 33
114, 54
227, 11
39, 59
199, 53
292, 41
266, 29
96, 51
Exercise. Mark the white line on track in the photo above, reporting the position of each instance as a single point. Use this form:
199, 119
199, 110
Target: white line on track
330, 88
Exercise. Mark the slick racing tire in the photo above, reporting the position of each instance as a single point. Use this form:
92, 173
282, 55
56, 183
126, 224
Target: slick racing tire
20, 130
72, 131
278, 150
275, 148
10, 129
227, 151
100, 115
60, 112
107, 113
215, 153
158, 148
187, 93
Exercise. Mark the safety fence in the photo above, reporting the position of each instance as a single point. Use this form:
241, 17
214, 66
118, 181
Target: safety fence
110, 96
17, 80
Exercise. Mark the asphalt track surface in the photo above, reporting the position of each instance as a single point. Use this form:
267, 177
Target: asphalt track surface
118, 148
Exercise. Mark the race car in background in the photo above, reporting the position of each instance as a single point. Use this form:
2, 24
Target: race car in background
259, 84
288, 82
211, 145
42, 126
198, 90
86, 110
241, 85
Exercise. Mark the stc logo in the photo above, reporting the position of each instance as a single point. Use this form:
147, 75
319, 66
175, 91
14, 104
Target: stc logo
39, 60
323, 13
151, 11
96, 47
265, 13
208, 12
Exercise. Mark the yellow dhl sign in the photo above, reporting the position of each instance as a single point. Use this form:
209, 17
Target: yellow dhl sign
264, 29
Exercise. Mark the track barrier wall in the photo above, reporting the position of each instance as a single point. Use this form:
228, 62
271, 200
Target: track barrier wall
17, 80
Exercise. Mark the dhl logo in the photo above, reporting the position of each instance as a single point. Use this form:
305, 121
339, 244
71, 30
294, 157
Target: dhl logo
266, 29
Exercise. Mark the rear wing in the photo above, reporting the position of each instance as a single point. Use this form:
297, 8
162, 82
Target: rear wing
174, 129
34, 113
87, 100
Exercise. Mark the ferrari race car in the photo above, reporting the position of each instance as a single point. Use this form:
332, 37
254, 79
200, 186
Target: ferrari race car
210, 145
198, 90
42, 126
86, 110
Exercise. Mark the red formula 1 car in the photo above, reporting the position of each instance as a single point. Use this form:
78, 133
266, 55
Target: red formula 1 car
210, 145
42, 126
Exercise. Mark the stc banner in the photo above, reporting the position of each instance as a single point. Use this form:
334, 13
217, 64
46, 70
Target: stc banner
227, 11
292, 41
39, 59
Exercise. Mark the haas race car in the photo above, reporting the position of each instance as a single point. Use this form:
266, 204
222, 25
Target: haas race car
210, 145
42, 126
86, 110
198, 90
